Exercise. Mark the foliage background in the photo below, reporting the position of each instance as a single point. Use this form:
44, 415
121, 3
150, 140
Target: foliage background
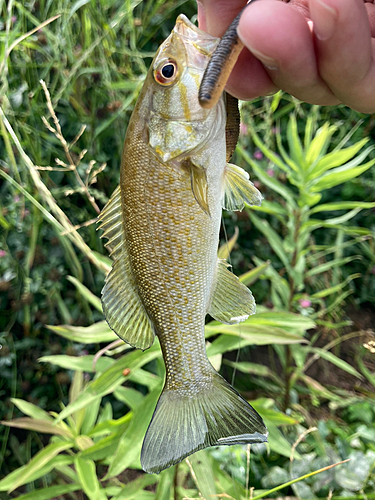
93, 59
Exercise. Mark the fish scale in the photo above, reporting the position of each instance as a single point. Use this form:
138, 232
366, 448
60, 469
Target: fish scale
166, 275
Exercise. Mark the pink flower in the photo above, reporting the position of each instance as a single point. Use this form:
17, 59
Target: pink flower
305, 303
270, 172
2, 253
372, 270
16, 198
258, 155
243, 128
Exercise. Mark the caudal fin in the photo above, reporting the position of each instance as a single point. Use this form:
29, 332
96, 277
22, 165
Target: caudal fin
182, 425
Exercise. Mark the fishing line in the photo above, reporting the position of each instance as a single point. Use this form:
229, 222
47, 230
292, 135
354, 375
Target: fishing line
239, 325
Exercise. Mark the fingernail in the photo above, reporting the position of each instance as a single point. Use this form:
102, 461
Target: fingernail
324, 18
201, 16
268, 62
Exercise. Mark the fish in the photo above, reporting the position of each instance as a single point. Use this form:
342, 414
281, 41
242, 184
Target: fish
162, 224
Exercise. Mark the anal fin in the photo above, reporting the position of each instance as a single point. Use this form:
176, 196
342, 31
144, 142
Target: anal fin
238, 189
231, 301
122, 306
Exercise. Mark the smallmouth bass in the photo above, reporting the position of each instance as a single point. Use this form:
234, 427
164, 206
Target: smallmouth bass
163, 225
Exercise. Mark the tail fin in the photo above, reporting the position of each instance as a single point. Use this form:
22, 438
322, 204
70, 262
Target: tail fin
182, 425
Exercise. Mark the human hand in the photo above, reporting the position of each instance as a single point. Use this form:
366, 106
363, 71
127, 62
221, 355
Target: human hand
320, 51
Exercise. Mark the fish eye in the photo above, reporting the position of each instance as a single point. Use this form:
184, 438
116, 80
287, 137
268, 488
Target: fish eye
166, 72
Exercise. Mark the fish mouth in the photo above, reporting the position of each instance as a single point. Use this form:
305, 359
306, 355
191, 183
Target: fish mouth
201, 40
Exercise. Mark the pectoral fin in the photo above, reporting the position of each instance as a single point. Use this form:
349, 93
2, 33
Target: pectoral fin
199, 187
122, 305
238, 190
232, 301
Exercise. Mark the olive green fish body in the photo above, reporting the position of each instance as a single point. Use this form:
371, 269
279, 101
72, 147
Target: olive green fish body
173, 248
163, 225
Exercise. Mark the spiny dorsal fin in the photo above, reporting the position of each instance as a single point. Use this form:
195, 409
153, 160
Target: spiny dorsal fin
238, 190
122, 306
231, 301
232, 128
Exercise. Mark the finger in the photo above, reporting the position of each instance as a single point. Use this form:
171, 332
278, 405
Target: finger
216, 15
248, 78
345, 51
370, 9
279, 36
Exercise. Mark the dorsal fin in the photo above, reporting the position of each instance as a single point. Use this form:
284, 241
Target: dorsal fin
122, 305
232, 128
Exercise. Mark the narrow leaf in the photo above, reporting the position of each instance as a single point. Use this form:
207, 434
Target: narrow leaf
87, 477
340, 363
96, 333
51, 492
31, 410
34, 424
38, 461
85, 292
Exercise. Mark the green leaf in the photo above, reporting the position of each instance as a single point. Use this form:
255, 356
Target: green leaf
272, 208
295, 146
337, 158
341, 205
340, 363
270, 182
129, 448
78, 363
335, 221
31, 410
204, 475
85, 292
56, 462
266, 151
236, 337
131, 491
255, 369
322, 268
77, 5
38, 425
334, 289
111, 378
276, 98
252, 275
277, 441
163, 491
340, 175
96, 333
87, 477
38, 461
281, 319
90, 416
276, 417
319, 143
129, 396
273, 238
50, 492
225, 249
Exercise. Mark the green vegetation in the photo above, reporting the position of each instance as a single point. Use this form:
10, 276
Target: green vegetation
75, 400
